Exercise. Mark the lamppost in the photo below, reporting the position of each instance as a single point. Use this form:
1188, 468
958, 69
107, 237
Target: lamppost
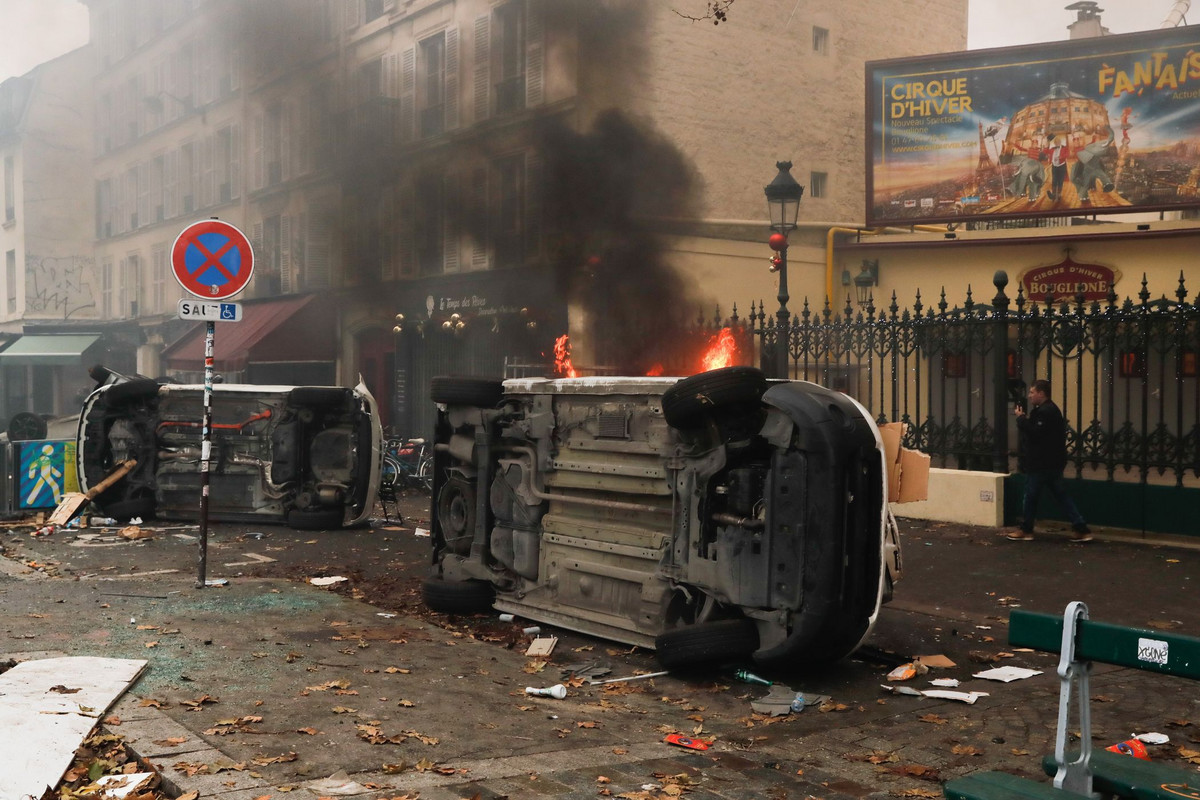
783, 201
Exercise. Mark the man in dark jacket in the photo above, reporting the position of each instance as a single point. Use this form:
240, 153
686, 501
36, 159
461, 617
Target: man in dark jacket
1043, 448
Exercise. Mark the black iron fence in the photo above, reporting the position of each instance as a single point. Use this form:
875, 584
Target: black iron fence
1124, 373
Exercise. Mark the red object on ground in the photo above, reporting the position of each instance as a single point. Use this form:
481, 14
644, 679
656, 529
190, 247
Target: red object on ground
1131, 747
685, 741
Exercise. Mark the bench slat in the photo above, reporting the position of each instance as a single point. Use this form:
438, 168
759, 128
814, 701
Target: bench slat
1126, 776
1155, 651
1002, 786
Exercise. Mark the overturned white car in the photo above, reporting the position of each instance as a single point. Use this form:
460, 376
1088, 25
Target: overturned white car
308, 456
714, 517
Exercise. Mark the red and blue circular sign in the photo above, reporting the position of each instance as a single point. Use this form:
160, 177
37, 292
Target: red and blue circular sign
212, 259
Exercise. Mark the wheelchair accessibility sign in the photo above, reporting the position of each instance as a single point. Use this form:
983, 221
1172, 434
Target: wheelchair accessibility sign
217, 312
212, 259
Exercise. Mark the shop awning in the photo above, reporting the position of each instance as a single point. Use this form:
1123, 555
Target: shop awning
48, 349
287, 330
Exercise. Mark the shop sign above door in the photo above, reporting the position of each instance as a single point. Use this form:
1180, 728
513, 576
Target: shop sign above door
1066, 280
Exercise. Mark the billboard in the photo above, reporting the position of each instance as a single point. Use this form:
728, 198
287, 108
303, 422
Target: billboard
1103, 125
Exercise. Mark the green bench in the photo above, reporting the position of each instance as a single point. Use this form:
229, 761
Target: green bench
1080, 642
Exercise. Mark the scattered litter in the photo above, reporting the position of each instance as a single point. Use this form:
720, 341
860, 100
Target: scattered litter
908, 671
103, 521
217, 582
1007, 674
557, 691
776, 703
949, 683
685, 741
805, 699
134, 532
420, 532
44, 531
330, 581
936, 661
532, 630
253, 535
117, 787
136, 521
746, 676
586, 670
1130, 747
595, 682
507, 617
1152, 738
386, 615
338, 783
940, 694
542, 646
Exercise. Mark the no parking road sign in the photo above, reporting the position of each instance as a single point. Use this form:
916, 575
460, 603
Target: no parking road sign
212, 259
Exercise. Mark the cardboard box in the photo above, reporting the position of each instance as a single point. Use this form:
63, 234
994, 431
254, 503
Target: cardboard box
908, 470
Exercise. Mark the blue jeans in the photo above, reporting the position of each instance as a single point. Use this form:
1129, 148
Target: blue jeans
1035, 482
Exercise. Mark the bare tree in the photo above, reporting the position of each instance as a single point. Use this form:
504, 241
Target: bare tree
716, 10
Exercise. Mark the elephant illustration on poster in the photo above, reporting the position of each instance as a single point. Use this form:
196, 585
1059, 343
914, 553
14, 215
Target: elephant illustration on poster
1089, 168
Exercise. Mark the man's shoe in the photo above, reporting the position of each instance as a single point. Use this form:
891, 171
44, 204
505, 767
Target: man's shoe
1020, 536
1082, 534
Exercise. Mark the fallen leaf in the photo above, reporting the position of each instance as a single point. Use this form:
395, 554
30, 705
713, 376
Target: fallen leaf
930, 793
965, 750
394, 670
171, 742
60, 689
344, 710
307, 731
588, 724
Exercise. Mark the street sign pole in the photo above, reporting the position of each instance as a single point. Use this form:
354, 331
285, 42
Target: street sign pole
210, 331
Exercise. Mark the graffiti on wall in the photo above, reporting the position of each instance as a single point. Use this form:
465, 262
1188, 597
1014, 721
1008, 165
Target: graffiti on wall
60, 287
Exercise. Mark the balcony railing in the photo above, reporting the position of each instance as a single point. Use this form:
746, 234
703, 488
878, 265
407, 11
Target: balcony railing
510, 94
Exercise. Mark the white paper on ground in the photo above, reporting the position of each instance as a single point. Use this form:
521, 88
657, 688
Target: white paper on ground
940, 694
40, 730
330, 581
338, 783
118, 787
1152, 738
1007, 674
949, 683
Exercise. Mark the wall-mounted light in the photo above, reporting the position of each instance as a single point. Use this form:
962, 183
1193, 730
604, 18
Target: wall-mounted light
867, 278
399, 327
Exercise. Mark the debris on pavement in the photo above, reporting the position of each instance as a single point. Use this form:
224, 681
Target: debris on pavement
685, 741
940, 694
542, 646
595, 682
339, 783
1130, 747
1007, 674
948, 683
118, 787
421, 532
586, 671
135, 532
217, 582
1152, 738
776, 703
935, 661
557, 691
908, 671
746, 676
329, 581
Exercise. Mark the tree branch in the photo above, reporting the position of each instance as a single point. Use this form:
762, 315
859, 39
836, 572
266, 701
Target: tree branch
716, 10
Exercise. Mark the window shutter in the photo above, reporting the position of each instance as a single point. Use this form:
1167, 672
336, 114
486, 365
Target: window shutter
405, 230
207, 174
353, 12
479, 219
391, 75
451, 79
483, 67
143, 202
286, 117
286, 282
235, 163
318, 250
534, 53
171, 185
257, 177
408, 91
451, 229
533, 204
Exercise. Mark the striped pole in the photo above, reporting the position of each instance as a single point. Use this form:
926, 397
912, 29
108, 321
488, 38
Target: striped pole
206, 449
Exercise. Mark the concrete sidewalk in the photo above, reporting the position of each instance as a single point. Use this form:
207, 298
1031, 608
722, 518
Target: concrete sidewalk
270, 684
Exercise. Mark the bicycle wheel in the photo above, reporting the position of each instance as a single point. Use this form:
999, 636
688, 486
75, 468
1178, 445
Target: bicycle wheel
425, 473
391, 471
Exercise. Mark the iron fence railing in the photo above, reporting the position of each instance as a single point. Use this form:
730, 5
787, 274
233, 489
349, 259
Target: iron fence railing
1124, 373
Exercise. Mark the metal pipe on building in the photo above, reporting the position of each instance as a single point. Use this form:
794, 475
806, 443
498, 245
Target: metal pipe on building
1176, 14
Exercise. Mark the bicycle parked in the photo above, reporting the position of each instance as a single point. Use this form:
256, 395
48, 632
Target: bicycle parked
407, 464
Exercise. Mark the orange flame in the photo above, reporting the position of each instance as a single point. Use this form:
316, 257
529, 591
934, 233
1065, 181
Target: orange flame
721, 351
562, 357
654, 371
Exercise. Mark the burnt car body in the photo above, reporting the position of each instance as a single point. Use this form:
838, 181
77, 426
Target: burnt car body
712, 517
308, 456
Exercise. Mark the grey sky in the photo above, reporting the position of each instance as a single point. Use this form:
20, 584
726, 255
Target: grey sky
33, 31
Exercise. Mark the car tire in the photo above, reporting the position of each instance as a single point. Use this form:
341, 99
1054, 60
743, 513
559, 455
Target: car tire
688, 403
321, 519
136, 389
482, 392
124, 510
456, 514
706, 642
457, 597
26, 427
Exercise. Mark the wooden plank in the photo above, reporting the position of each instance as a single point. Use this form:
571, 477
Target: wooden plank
40, 729
1152, 650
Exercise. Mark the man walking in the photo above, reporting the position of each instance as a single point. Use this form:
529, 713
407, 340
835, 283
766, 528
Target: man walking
1043, 457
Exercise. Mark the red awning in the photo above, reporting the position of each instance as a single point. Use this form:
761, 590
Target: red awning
291, 329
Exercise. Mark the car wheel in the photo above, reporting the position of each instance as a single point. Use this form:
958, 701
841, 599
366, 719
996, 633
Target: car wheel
706, 642
137, 389
456, 514
321, 519
457, 597
482, 392
26, 427
688, 403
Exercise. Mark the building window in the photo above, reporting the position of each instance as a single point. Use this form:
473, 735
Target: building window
10, 189
158, 277
509, 228
821, 41
225, 165
129, 290
510, 53
433, 84
372, 9
10, 275
106, 288
429, 222
818, 184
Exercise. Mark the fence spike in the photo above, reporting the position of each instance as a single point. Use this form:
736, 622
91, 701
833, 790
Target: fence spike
734, 318
1144, 294
942, 304
1181, 292
1111, 296
917, 305
893, 307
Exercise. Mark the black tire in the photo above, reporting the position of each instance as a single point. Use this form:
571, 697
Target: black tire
482, 392
321, 519
318, 396
136, 389
457, 597
26, 427
688, 403
125, 510
456, 514
706, 642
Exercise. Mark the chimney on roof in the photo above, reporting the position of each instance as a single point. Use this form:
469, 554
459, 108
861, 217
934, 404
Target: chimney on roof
1087, 20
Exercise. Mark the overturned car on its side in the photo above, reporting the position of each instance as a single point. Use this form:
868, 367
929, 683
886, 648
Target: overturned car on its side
307, 456
714, 517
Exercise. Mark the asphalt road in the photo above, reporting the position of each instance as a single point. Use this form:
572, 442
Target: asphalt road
270, 683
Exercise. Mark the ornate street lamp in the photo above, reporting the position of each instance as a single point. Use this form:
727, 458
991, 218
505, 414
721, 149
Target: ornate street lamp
783, 201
